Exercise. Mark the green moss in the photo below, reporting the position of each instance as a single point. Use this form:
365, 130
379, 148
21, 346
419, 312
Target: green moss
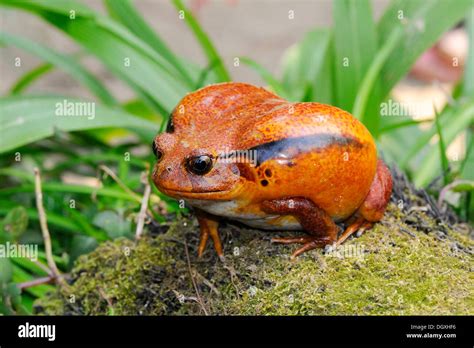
120, 277
392, 269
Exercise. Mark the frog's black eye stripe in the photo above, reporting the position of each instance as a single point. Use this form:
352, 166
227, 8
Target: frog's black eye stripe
199, 165
288, 148
158, 154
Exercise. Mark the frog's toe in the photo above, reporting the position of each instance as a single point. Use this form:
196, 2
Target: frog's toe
328, 248
202, 242
313, 244
351, 229
365, 226
292, 240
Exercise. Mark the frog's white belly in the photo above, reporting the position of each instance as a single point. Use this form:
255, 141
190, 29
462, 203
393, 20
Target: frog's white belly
229, 209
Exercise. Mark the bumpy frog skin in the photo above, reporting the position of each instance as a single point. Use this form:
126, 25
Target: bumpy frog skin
315, 165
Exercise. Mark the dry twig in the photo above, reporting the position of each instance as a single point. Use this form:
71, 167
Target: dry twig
119, 182
35, 282
44, 229
143, 208
201, 303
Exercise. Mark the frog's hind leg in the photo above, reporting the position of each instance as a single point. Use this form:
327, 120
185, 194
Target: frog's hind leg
321, 228
374, 205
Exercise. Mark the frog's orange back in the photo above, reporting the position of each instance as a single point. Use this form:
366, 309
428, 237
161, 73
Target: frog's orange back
320, 152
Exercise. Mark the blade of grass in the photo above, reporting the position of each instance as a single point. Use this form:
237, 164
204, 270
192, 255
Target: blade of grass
86, 228
355, 45
56, 6
204, 74
17, 173
60, 187
31, 76
30, 266
307, 65
402, 124
126, 13
60, 222
275, 85
442, 149
459, 120
151, 78
467, 166
425, 22
57, 12
369, 80
21, 276
446, 117
204, 40
133, 66
27, 119
468, 77
146, 71
64, 62
61, 261
96, 158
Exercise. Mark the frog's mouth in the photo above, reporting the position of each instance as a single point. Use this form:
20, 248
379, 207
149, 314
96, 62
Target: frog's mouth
205, 195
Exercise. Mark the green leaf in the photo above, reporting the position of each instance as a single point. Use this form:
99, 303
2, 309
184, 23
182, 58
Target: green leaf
275, 85
204, 40
355, 45
463, 186
86, 227
63, 62
459, 119
468, 79
21, 276
367, 85
395, 125
6, 268
127, 14
81, 245
442, 149
30, 266
448, 118
60, 187
56, 6
31, 76
133, 64
11, 301
467, 166
61, 222
425, 22
28, 119
307, 66
15, 223
114, 224
151, 76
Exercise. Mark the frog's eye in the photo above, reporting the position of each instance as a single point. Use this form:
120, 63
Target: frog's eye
158, 153
199, 165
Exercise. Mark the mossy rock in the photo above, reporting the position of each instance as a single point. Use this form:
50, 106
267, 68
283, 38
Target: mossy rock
412, 262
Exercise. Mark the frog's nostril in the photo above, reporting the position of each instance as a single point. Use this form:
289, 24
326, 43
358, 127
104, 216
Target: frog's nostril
168, 169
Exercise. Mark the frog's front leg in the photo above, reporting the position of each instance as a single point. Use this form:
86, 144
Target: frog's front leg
321, 228
208, 225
